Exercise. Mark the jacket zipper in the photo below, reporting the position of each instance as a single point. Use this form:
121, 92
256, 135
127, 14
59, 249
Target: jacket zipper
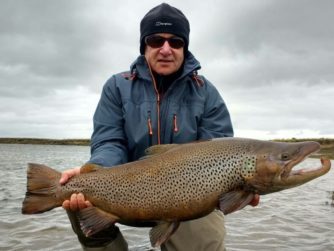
158, 101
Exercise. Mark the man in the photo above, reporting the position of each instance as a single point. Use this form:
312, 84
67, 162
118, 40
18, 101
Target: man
160, 100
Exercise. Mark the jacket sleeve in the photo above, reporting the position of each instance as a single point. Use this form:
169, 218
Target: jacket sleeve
216, 121
108, 141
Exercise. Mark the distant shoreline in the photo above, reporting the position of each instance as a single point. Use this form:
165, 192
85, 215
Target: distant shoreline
327, 144
326, 150
40, 141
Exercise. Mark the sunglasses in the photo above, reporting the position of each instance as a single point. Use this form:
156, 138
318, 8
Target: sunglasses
156, 41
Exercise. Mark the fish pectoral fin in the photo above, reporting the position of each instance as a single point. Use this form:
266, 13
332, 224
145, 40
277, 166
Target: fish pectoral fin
87, 168
93, 220
234, 200
161, 232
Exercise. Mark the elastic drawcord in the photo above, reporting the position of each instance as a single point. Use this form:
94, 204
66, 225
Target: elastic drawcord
198, 79
130, 76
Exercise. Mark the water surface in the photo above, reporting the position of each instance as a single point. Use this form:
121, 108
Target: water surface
301, 218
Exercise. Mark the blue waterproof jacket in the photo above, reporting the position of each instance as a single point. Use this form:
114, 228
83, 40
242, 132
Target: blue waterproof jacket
131, 114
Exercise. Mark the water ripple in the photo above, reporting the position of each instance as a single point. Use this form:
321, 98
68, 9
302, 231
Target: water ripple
301, 218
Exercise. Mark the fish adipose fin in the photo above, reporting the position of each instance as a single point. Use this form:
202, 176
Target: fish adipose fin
42, 184
93, 220
234, 201
161, 232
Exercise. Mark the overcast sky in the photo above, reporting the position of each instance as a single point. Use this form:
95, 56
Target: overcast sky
271, 60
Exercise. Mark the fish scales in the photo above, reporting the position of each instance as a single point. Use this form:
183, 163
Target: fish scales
177, 177
175, 183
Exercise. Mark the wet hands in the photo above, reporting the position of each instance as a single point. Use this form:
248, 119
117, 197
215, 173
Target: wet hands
66, 175
77, 201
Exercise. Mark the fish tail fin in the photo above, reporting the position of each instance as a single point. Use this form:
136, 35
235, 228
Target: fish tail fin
42, 184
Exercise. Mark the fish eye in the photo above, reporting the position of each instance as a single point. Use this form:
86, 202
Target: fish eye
285, 156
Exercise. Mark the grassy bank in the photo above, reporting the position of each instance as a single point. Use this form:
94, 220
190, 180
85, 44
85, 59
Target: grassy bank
327, 145
37, 141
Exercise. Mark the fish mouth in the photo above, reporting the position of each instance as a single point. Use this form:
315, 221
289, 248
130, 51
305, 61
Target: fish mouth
292, 177
307, 149
325, 166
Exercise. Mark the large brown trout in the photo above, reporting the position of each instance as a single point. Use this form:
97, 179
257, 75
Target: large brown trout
175, 183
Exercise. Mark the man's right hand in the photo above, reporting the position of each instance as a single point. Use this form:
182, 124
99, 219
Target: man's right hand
77, 201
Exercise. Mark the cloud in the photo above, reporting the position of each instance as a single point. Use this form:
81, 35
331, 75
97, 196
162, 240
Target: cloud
271, 60
62, 114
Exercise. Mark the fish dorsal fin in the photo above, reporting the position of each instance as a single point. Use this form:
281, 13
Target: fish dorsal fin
89, 167
161, 232
93, 220
158, 149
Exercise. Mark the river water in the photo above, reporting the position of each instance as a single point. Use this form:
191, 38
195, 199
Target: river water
301, 218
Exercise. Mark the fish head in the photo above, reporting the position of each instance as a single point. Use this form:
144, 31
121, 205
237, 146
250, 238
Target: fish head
274, 162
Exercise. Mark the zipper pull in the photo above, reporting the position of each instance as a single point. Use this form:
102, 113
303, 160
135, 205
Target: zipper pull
175, 127
149, 124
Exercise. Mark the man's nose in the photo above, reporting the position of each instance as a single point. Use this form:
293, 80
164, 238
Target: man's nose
166, 49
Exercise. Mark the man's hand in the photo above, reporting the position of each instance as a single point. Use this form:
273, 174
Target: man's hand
66, 175
77, 201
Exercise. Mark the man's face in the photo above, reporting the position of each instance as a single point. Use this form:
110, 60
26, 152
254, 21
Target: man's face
164, 60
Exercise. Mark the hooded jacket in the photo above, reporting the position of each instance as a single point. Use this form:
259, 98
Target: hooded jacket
131, 114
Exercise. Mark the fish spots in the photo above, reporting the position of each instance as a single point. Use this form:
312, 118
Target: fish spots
249, 167
177, 181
